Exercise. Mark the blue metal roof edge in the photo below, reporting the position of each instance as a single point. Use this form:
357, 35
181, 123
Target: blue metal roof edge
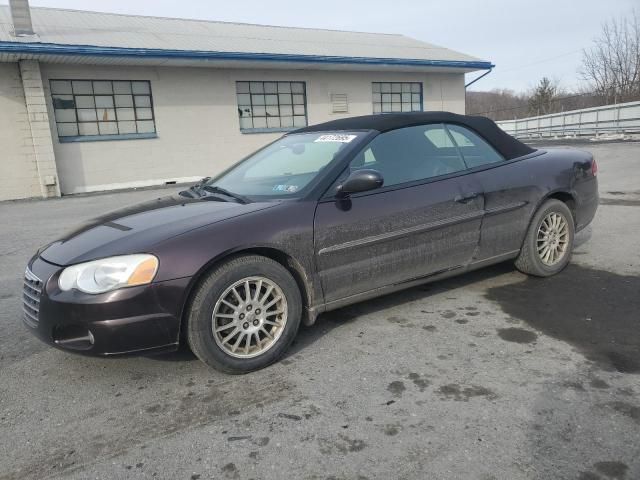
93, 50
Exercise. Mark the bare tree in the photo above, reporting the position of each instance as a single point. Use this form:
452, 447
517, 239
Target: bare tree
612, 65
498, 104
542, 99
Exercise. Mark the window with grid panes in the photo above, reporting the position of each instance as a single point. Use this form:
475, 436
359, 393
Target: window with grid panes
271, 105
102, 108
391, 97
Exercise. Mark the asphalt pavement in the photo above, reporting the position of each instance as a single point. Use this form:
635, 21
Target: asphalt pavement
490, 375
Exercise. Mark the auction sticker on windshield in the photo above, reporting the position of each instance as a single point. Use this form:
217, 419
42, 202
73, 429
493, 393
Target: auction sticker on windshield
335, 138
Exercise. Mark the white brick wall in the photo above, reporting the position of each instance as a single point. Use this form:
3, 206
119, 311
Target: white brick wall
18, 169
39, 124
197, 120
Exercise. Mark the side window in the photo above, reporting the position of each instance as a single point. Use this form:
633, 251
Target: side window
475, 150
410, 154
369, 158
439, 137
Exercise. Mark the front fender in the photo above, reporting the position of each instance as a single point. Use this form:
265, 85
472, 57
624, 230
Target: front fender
284, 233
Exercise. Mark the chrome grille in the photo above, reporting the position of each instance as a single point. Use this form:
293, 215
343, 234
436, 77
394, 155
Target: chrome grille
31, 290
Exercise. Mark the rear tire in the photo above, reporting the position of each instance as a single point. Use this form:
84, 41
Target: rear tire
244, 314
548, 244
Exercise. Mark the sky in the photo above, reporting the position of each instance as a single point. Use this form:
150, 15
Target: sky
525, 39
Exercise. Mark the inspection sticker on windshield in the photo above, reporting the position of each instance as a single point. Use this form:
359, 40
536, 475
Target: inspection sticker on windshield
335, 138
285, 188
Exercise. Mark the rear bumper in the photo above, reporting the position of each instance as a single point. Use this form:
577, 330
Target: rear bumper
587, 202
136, 319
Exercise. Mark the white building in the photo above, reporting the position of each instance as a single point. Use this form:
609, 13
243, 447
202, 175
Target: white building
95, 101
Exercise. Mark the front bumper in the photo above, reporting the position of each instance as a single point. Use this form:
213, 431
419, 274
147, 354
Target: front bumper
136, 319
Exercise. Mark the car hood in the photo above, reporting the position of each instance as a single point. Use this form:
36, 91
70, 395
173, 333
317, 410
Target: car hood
137, 228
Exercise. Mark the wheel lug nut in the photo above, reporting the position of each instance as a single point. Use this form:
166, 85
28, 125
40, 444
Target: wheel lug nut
256, 322
246, 325
248, 308
257, 311
242, 316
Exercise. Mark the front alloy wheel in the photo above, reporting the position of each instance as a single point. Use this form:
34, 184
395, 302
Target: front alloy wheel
249, 317
244, 314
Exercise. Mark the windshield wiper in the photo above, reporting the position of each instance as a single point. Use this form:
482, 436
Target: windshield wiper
225, 192
195, 191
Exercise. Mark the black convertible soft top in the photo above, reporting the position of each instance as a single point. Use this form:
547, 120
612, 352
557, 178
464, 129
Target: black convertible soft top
504, 143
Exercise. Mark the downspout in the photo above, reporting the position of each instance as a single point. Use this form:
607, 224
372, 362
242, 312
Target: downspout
481, 76
471, 83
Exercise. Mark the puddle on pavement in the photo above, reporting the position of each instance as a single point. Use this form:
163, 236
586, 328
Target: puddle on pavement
596, 311
517, 335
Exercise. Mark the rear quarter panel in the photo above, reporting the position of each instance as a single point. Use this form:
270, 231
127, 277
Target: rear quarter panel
516, 189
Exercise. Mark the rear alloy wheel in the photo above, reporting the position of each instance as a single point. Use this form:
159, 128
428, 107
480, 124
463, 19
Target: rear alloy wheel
553, 239
244, 314
549, 241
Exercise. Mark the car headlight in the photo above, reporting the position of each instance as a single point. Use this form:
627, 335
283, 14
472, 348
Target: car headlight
109, 274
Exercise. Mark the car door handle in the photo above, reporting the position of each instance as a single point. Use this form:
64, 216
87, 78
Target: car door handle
465, 198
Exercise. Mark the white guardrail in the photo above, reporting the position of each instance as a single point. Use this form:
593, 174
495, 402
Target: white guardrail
621, 118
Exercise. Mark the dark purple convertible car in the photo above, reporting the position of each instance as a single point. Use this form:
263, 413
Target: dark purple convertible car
323, 217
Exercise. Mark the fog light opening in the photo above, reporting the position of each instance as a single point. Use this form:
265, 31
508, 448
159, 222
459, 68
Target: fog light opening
74, 337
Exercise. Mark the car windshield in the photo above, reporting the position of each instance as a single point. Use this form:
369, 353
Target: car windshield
286, 167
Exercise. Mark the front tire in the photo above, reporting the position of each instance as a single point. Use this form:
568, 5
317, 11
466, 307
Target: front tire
548, 244
244, 314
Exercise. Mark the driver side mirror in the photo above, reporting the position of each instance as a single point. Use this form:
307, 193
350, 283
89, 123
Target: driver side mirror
360, 181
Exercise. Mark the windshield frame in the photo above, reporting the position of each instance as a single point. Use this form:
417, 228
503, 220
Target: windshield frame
323, 180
